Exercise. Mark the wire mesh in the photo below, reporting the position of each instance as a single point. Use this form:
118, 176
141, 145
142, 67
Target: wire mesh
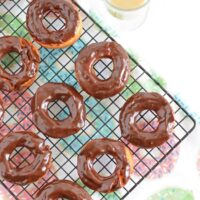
102, 115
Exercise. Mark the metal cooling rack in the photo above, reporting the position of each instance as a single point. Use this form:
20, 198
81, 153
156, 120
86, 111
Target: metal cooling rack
102, 116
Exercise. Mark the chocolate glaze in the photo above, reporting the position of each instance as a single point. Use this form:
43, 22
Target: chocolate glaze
62, 189
87, 78
36, 13
146, 101
32, 172
50, 92
1, 110
30, 60
95, 148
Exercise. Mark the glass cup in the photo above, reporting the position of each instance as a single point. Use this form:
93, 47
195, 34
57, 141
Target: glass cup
128, 14
127, 4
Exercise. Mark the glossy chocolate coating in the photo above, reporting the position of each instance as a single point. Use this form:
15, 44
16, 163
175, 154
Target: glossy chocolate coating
50, 92
32, 172
1, 110
87, 78
62, 189
30, 60
98, 147
36, 13
146, 101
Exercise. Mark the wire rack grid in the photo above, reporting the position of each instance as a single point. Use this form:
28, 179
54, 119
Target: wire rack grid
102, 115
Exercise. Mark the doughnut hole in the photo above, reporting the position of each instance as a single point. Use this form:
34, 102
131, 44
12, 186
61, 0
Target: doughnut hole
58, 110
105, 165
11, 62
21, 157
53, 21
103, 68
146, 121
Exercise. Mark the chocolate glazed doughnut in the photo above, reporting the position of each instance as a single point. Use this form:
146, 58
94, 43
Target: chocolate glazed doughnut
87, 78
32, 172
53, 39
98, 147
30, 60
138, 103
62, 189
50, 92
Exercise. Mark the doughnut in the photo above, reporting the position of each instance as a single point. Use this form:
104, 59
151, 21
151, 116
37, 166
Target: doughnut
135, 105
50, 92
87, 78
30, 61
54, 39
32, 172
98, 147
62, 189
